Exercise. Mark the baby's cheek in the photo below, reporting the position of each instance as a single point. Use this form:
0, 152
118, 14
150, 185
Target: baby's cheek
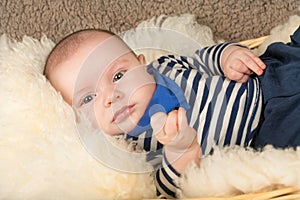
92, 115
98, 117
134, 80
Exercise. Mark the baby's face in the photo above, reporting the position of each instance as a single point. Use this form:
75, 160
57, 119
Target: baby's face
108, 83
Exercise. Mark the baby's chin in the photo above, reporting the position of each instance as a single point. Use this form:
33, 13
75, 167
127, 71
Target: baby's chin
130, 124
119, 128
126, 126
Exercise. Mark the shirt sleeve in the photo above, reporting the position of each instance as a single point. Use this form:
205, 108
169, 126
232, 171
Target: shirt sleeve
166, 179
222, 111
206, 61
209, 58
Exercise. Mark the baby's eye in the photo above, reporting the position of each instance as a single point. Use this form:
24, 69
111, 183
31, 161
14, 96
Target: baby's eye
88, 99
118, 76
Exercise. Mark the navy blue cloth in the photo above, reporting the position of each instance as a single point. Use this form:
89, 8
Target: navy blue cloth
280, 120
167, 97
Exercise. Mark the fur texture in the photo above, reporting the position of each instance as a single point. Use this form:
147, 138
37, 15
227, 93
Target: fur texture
164, 35
42, 157
231, 19
41, 154
233, 171
280, 33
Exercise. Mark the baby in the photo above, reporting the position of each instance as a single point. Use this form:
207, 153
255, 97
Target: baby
188, 103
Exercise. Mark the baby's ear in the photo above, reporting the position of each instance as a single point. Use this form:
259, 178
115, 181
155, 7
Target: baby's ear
142, 59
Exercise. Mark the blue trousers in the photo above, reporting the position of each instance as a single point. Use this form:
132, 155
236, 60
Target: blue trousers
280, 120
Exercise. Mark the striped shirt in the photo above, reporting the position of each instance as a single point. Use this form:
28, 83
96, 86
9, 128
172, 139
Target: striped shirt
223, 112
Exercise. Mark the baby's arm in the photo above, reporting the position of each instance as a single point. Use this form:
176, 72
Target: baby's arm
180, 145
239, 62
234, 61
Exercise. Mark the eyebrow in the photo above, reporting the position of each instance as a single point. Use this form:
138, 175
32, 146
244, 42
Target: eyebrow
116, 63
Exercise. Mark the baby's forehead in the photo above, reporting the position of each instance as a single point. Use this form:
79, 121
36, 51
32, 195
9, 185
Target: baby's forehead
105, 44
100, 54
102, 44
105, 50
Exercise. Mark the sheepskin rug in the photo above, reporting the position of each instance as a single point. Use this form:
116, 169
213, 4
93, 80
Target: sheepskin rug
41, 154
42, 157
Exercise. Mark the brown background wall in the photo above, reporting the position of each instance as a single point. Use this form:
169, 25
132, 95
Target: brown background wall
229, 19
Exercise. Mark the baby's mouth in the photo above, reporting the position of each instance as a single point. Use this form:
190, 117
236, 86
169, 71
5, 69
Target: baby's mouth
122, 114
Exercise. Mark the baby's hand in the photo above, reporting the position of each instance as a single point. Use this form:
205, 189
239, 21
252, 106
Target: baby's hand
168, 127
239, 62
178, 138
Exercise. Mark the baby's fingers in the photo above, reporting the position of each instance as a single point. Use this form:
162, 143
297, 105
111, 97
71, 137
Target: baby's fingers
186, 135
238, 66
182, 119
157, 122
162, 127
238, 73
171, 126
254, 63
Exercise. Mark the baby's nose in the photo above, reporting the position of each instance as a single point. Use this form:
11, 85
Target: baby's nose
112, 97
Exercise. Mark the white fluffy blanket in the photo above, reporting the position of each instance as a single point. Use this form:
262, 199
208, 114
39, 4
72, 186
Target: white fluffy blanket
41, 156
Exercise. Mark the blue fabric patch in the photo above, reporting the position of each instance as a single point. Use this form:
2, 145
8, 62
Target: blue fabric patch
167, 97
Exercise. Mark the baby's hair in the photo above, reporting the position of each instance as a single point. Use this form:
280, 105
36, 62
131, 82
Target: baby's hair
68, 46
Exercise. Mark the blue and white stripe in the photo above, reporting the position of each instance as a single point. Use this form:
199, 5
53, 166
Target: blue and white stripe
223, 112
